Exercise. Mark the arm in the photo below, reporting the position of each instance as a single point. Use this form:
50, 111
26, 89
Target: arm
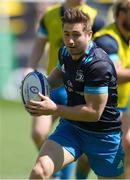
36, 54
55, 78
111, 47
89, 112
38, 47
123, 75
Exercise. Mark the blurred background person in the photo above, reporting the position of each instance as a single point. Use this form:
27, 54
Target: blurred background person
16, 35
50, 30
102, 6
17, 19
8, 33
115, 40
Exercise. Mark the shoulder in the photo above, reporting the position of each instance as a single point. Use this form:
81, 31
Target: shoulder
95, 54
51, 11
98, 24
108, 43
100, 59
88, 9
100, 67
86, 6
100, 54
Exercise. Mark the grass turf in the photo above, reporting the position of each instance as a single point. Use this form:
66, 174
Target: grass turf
17, 152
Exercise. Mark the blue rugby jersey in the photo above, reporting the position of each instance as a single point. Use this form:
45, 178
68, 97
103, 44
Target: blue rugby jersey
93, 73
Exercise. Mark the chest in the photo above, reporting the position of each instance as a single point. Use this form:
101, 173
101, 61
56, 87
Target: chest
74, 76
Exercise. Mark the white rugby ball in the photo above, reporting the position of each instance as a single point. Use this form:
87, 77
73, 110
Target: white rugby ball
32, 84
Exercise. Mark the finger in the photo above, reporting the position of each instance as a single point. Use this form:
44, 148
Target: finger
32, 111
32, 106
42, 96
32, 102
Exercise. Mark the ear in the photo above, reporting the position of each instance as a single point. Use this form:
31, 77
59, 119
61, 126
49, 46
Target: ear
89, 35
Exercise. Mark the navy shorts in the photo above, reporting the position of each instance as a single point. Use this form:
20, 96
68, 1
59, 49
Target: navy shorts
104, 150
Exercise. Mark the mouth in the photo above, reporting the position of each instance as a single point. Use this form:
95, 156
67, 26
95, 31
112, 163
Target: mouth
71, 47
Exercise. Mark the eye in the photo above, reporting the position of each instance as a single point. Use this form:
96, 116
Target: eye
66, 34
76, 35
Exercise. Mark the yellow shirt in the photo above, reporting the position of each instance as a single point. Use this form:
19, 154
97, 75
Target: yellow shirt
124, 55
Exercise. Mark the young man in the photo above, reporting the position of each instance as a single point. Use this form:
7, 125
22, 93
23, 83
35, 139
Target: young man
50, 30
87, 126
115, 40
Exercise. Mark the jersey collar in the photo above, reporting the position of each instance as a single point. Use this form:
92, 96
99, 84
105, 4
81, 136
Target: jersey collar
89, 48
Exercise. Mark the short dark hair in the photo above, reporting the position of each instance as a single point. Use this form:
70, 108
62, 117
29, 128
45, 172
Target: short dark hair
76, 16
121, 5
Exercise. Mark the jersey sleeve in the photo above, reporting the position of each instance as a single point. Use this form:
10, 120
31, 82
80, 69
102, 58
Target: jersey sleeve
110, 45
97, 78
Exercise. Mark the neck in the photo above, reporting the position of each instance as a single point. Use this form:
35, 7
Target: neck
77, 57
69, 4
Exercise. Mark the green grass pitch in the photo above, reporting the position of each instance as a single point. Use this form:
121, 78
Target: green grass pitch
17, 151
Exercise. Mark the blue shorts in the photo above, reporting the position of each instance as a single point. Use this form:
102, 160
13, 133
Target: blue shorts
59, 96
123, 109
104, 150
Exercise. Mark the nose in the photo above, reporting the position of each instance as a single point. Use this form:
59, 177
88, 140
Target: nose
71, 41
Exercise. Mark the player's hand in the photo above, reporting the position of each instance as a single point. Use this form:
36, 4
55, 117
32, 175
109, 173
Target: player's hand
27, 70
44, 107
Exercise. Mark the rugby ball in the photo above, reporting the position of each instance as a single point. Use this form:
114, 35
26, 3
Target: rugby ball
32, 84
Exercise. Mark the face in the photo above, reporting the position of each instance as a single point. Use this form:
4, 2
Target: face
76, 39
126, 21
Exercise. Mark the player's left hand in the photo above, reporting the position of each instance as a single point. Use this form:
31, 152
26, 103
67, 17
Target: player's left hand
44, 107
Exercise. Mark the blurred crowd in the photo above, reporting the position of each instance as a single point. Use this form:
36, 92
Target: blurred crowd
18, 23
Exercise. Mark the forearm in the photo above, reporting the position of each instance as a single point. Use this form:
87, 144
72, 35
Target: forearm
91, 111
78, 113
123, 75
33, 61
36, 54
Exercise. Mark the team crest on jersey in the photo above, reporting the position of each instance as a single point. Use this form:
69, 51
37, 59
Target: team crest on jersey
79, 76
